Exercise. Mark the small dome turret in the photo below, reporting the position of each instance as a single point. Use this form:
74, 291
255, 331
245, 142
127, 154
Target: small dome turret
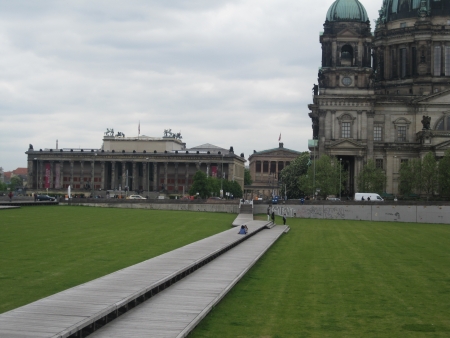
347, 10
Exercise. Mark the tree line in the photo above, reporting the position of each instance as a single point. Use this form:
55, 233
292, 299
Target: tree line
425, 177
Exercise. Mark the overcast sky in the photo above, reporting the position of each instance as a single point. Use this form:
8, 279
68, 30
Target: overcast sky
227, 72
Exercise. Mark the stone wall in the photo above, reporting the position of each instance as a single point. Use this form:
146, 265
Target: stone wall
226, 208
369, 212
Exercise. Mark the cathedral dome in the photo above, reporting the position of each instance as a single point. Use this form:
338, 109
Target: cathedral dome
347, 10
404, 9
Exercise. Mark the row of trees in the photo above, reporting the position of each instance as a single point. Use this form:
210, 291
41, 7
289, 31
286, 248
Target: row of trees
16, 182
210, 186
426, 176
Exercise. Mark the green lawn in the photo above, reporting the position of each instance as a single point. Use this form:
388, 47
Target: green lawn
343, 279
44, 250
323, 279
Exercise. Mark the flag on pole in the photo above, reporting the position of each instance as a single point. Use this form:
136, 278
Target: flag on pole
139, 127
279, 138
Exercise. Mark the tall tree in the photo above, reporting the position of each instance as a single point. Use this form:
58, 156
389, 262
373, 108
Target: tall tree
16, 182
326, 178
444, 174
291, 174
406, 178
429, 174
200, 185
247, 177
371, 178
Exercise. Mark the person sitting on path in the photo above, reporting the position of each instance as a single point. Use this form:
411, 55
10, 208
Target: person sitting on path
242, 231
246, 228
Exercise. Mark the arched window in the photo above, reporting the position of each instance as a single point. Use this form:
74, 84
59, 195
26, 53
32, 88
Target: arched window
443, 124
347, 56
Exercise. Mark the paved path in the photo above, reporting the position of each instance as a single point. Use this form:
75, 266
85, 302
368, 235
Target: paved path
177, 310
8, 207
96, 302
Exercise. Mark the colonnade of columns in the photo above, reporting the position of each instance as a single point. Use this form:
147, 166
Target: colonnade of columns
113, 175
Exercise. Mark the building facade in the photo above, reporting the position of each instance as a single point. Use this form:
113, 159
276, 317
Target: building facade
265, 167
385, 95
146, 164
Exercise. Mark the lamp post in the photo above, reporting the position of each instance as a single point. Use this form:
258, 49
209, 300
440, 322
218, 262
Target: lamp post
340, 174
148, 178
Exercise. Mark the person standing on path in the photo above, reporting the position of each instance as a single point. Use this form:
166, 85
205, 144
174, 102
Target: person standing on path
268, 213
284, 219
273, 217
10, 195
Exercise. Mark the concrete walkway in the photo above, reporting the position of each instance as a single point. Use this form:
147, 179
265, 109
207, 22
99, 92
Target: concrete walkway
84, 308
176, 311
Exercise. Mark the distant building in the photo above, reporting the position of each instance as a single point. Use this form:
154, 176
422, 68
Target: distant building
154, 164
265, 167
7, 175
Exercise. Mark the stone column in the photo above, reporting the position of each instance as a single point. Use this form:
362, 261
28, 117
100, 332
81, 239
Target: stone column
30, 174
358, 124
322, 117
155, 176
102, 178
50, 179
208, 167
333, 124
370, 117
71, 174
113, 175
124, 175
81, 174
176, 177
61, 174
145, 180
197, 165
186, 181
135, 178
92, 175
166, 165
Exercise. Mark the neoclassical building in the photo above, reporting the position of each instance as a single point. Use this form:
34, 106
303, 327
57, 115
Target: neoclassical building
383, 95
265, 166
138, 163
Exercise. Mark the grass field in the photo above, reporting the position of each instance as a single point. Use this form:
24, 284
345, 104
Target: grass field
323, 279
44, 250
343, 279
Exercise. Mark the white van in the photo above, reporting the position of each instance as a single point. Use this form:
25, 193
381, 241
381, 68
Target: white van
366, 195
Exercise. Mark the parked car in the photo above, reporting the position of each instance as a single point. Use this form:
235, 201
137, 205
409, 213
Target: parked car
45, 198
275, 199
368, 196
136, 197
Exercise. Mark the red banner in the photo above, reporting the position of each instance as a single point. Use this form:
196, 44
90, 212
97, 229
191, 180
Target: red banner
213, 171
47, 176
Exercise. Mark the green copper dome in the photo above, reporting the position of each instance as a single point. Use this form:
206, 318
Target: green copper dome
347, 10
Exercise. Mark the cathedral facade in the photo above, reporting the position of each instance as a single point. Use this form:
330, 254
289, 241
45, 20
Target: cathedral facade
383, 95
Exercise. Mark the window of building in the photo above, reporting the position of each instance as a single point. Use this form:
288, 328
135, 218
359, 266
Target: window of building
345, 130
447, 61
273, 167
437, 61
443, 123
401, 133
379, 163
258, 166
377, 133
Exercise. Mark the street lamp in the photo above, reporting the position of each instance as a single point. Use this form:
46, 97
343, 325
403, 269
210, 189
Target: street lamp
148, 178
340, 174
